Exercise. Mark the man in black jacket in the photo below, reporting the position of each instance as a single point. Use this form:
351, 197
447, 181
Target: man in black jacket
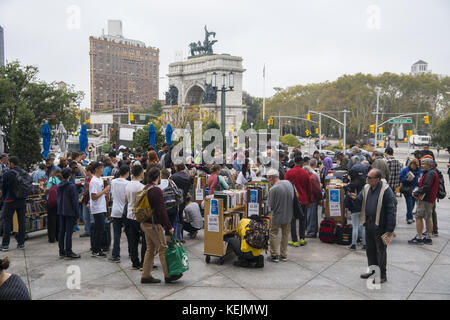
183, 182
378, 215
12, 204
68, 214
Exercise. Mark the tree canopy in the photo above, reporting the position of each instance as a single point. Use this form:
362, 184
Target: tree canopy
357, 93
20, 87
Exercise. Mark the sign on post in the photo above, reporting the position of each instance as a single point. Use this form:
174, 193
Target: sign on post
400, 121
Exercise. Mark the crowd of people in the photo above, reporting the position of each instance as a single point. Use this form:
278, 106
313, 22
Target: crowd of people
79, 194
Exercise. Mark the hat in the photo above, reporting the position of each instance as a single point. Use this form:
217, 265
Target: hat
338, 153
426, 157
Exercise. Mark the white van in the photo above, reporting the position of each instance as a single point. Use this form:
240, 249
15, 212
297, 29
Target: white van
416, 140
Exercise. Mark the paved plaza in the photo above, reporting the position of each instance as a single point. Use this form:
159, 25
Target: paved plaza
316, 271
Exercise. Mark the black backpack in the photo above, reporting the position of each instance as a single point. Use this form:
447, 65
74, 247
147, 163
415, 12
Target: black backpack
24, 185
344, 234
441, 189
257, 235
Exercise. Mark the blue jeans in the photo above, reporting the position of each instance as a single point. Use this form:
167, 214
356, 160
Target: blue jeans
410, 202
87, 219
357, 228
312, 219
117, 230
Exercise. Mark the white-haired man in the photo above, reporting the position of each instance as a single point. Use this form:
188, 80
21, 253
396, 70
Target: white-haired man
281, 201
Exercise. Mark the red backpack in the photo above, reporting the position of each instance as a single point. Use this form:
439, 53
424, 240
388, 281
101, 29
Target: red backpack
52, 197
327, 231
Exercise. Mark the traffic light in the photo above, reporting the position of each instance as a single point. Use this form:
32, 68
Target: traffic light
426, 119
380, 129
317, 130
308, 116
307, 132
131, 116
270, 122
76, 114
372, 128
318, 124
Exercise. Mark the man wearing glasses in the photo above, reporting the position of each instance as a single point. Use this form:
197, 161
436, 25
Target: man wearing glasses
378, 214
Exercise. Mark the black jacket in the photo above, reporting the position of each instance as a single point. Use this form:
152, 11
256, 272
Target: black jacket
9, 179
67, 199
183, 182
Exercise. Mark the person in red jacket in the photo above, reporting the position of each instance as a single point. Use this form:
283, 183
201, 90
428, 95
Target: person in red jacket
426, 195
302, 182
312, 223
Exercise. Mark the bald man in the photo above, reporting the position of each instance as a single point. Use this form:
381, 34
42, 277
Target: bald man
378, 215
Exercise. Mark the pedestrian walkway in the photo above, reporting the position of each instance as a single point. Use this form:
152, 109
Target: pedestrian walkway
316, 271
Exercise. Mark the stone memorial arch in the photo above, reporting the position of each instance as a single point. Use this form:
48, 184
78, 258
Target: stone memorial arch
190, 84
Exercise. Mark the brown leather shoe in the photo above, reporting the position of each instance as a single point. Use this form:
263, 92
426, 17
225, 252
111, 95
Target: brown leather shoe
150, 280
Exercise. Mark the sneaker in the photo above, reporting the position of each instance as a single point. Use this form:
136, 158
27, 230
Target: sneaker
427, 241
84, 235
98, 254
302, 242
114, 259
138, 267
21, 246
367, 275
173, 278
364, 247
416, 241
62, 255
241, 263
4, 249
275, 259
409, 221
291, 243
72, 256
194, 235
435, 234
352, 247
75, 228
284, 259
150, 280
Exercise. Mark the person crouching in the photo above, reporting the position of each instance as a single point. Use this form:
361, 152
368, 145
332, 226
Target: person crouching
247, 256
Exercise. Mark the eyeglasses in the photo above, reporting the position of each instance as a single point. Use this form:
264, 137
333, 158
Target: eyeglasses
370, 178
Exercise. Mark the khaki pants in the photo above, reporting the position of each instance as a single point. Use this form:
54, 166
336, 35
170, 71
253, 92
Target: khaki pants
156, 241
274, 245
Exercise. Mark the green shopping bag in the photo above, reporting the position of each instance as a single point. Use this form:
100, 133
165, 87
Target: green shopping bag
176, 257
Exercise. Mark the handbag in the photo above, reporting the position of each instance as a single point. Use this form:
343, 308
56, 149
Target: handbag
406, 189
298, 211
176, 257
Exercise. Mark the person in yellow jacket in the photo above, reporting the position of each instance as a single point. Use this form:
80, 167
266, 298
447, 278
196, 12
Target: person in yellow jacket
248, 256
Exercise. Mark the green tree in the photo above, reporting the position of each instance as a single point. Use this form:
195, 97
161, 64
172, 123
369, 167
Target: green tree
260, 124
156, 108
441, 132
290, 140
19, 86
255, 106
140, 138
25, 138
244, 125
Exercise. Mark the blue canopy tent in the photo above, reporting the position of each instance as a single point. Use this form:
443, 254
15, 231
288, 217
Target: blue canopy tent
169, 132
83, 139
152, 135
46, 139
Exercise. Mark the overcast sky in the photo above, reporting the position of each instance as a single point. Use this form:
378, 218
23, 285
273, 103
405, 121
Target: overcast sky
300, 42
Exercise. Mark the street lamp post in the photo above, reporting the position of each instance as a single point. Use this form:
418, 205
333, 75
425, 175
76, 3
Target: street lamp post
223, 89
376, 120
